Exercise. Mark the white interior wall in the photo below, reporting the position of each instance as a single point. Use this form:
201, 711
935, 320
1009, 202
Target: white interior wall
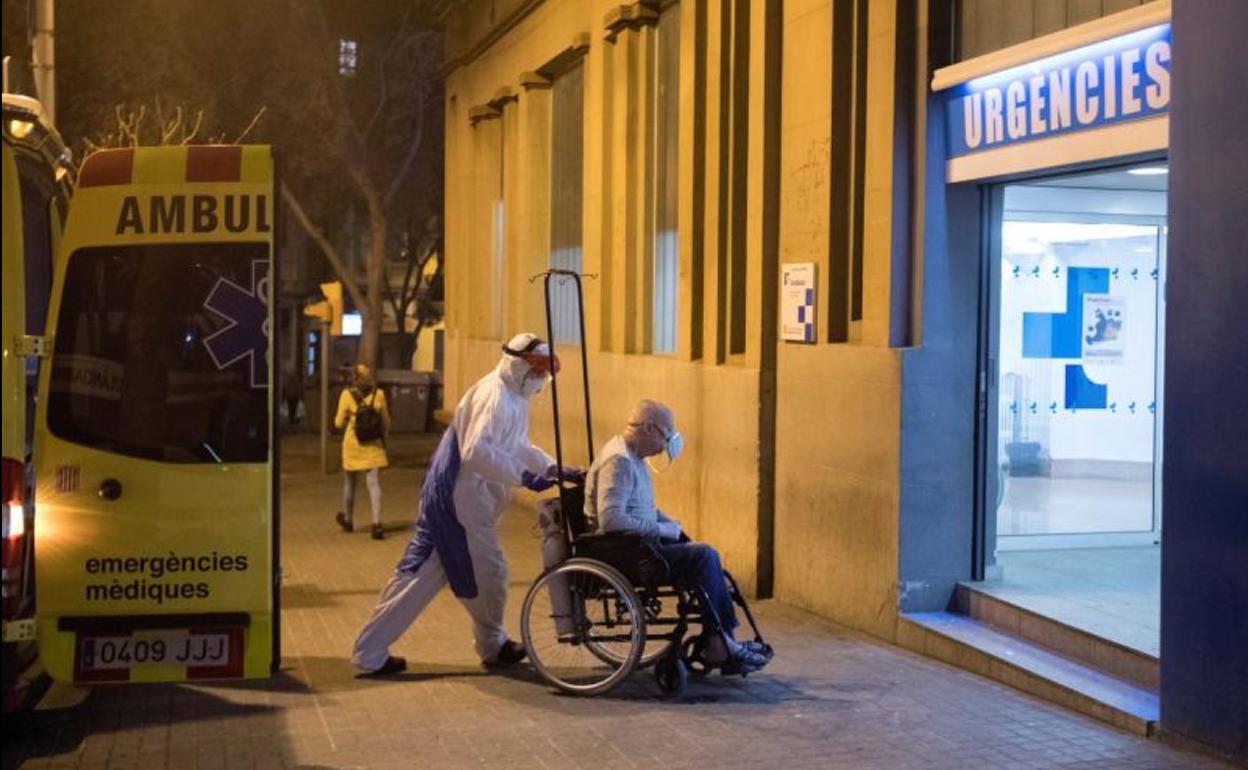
1084, 228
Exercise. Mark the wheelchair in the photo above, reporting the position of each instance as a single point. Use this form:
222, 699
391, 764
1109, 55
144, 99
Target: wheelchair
611, 607
607, 605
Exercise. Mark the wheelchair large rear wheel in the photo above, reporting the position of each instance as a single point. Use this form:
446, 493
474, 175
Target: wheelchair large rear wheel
583, 627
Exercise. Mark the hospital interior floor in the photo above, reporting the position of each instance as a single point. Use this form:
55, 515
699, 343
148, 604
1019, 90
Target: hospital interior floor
1113, 593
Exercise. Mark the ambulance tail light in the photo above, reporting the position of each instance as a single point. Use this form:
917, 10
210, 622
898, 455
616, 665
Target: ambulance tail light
14, 534
14, 510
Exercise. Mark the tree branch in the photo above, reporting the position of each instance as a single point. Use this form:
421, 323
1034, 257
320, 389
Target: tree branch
413, 150
189, 136
327, 248
250, 125
384, 97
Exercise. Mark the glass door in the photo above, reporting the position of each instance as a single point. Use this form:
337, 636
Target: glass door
1079, 321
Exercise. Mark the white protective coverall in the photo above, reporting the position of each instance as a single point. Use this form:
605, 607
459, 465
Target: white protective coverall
483, 454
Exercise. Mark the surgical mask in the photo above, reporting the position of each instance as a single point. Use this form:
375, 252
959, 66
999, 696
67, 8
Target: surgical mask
673, 445
532, 384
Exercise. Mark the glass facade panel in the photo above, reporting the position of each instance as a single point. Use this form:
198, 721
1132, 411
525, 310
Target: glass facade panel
1080, 307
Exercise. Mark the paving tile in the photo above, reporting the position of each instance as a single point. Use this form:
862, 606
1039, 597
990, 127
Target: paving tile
833, 698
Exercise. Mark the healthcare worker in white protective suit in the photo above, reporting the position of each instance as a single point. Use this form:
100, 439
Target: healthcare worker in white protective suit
483, 455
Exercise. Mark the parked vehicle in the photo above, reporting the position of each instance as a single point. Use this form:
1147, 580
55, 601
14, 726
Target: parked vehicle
37, 181
154, 430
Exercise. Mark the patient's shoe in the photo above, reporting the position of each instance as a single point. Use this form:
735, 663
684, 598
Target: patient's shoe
758, 646
745, 658
508, 655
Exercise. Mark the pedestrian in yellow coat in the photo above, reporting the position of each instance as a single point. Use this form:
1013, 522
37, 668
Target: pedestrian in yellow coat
365, 457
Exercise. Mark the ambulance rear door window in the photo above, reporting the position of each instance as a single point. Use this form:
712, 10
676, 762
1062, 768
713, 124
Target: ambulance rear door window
161, 352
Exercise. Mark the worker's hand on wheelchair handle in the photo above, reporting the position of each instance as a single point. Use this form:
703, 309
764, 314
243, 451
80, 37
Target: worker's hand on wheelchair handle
570, 473
535, 483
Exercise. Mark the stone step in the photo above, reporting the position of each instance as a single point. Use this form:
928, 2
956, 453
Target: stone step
1097, 652
979, 647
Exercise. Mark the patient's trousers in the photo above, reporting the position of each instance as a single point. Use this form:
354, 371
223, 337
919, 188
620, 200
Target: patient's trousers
697, 564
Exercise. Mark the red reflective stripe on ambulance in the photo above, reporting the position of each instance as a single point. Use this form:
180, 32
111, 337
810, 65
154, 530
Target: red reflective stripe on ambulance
107, 167
214, 163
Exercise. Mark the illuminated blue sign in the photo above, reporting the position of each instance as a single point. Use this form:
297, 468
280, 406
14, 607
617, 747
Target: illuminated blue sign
1114, 81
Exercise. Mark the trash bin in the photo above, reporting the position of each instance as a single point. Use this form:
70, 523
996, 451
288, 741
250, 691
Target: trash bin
408, 395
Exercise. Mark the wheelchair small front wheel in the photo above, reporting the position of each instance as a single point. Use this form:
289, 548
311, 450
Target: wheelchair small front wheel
572, 615
672, 675
695, 655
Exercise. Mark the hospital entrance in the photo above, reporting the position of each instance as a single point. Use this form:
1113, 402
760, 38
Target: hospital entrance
1072, 440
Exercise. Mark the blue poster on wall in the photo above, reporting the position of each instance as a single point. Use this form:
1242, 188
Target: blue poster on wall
1113, 81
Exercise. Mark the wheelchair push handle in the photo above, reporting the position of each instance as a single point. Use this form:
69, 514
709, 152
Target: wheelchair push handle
562, 276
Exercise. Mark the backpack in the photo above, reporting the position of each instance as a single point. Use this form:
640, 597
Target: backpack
368, 424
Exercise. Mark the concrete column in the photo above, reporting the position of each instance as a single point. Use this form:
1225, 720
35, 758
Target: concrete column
1204, 582
595, 211
877, 200
692, 212
625, 174
763, 191
514, 271
715, 149
641, 297
596, 188
455, 233
531, 201
482, 282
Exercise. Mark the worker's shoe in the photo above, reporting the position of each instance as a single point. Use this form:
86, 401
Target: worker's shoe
344, 522
393, 665
378, 532
508, 655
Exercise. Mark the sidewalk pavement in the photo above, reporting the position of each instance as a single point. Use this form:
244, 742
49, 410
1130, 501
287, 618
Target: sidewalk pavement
833, 698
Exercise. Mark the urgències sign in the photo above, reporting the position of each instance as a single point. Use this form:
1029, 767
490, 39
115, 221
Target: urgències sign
1113, 81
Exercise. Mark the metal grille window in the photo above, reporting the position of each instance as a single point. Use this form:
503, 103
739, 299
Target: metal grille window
666, 191
348, 57
566, 167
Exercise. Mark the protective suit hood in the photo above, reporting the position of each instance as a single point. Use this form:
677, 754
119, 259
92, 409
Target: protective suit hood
515, 367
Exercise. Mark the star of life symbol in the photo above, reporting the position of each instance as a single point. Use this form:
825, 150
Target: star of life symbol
246, 334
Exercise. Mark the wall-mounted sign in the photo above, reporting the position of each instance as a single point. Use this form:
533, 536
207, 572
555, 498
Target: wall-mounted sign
797, 302
1113, 81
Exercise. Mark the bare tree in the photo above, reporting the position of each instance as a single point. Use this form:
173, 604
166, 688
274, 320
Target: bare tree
137, 127
365, 140
376, 137
420, 290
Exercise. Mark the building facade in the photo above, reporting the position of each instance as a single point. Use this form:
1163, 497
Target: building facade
801, 225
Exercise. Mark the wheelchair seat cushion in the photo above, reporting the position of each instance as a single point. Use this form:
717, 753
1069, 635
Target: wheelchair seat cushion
633, 555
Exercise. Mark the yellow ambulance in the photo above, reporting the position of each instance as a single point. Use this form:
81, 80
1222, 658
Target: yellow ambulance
156, 451
37, 184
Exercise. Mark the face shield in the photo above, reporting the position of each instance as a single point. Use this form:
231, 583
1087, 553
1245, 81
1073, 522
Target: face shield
542, 362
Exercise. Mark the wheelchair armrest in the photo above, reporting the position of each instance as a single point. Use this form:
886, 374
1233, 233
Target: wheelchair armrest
630, 553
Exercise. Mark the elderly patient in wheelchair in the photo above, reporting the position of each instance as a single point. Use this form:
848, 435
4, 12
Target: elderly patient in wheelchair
619, 495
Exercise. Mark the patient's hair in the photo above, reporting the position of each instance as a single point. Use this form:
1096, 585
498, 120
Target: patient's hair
650, 411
